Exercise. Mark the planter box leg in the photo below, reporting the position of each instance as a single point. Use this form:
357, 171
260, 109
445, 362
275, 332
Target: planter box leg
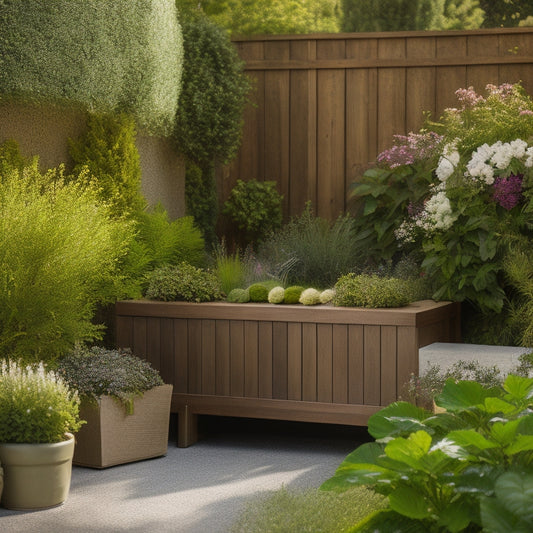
187, 427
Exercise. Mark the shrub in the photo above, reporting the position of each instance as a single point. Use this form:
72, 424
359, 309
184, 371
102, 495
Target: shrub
233, 270
292, 294
122, 56
36, 405
241, 296
108, 150
327, 296
466, 469
365, 290
311, 250
307, 511
97, 372
310, 297
214, 92
60, 256
258, 292
255, 208
276, 295
182, 282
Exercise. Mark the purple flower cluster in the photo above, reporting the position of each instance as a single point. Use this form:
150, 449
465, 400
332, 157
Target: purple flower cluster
468, 97
409, 149
508, 191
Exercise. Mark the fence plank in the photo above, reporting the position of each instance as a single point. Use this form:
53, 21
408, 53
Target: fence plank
223, 357
294, 361
251, 354
237, 358
309, 354
372, 365
265, 359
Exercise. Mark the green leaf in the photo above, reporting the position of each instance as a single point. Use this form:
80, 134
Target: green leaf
463, 395
522, 443
515, 491
471, 438
389, 521
370, 206
497, 405
518, 387
495, 518
398, 417
410, 450
456, 516
504, 432
409, 502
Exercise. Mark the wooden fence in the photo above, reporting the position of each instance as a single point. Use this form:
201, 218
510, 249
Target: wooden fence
326, 105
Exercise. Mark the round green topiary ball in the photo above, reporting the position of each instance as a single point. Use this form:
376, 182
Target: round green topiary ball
241, 296
258, 293
292, 294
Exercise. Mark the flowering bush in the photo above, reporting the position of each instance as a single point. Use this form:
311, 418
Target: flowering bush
478, 199
36, 405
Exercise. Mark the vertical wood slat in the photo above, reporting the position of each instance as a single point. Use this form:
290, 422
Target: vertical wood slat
194, 363
279, 361
181, 358
265, 359
166, 367
124, 329
153, 342
294, 361
139, 337
251, 359
407, 355
372, 365
388, 364
309, 362
356, 368
340, 377
324, 334
237, 358
208, 356
222, 384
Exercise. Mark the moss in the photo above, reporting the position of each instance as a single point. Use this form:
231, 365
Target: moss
241, 296
292, 294
310, 297
258, 292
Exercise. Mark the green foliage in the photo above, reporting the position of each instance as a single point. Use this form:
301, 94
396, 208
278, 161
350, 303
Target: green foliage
388, 15
96, 372
233, 269
108, 151
241, 296
11, 159
459, 15
308, 511
311, 251
248, 17
255, 209
374, 291
276, 295
310, 297
123, 56
453, 471
292, 294
182, 282
258, 292
508, 13
36, 405
381, 199
59, 258
201, 198
214, 92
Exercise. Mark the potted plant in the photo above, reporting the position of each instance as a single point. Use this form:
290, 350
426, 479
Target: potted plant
38, 414
125, 403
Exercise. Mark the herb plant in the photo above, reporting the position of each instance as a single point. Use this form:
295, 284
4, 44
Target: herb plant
36, 405
467, 469
97, 372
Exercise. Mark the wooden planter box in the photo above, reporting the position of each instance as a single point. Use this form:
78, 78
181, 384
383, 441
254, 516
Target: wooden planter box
288, 362
112, 437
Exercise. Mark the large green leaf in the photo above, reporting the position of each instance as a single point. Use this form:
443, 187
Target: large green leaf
518, 387
497, 405
409, 450
463, 395
409, 502
470, 438
389, 521
396, 418
456, 516
478, 479
515, 491
504, 432
522, 443
495, 518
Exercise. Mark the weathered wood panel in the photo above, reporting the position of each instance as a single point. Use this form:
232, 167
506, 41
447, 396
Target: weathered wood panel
326, 105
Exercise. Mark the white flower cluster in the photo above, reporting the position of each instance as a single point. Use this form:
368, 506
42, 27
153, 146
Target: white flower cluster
448, 161
439, 212
498, 156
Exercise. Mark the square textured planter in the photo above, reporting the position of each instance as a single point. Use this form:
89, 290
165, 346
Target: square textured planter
112, 437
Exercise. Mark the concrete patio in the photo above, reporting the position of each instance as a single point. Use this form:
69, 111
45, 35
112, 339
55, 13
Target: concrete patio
200, 489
